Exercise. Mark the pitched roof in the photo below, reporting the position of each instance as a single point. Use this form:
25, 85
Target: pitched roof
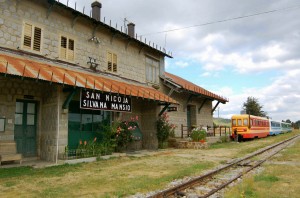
189, 86
41, 70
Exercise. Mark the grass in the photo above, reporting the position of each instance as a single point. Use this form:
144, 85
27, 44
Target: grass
266, 178
252, 145
29, 171
111, 178
120, 177
139, 184
280, 177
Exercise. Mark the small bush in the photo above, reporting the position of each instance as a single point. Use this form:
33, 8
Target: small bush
164, 130
224, 139
198, 135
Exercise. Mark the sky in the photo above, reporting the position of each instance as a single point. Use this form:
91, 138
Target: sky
233, 48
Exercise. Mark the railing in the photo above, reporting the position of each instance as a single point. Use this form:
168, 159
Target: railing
185, 131
211, 131
84, 153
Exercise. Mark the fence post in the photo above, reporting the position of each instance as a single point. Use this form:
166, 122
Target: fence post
182, 131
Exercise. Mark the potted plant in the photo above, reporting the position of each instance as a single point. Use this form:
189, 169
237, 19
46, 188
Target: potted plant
198, 135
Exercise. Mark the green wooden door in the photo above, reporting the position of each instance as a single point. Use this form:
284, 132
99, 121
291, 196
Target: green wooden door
25, 127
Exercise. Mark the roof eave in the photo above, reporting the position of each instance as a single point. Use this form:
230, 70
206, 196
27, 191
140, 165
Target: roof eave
77, 13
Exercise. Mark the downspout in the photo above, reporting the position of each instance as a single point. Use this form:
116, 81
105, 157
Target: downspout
57, 135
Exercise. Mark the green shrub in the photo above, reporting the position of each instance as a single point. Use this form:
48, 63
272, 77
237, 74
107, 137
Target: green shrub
224, 139
164, 130
198, 135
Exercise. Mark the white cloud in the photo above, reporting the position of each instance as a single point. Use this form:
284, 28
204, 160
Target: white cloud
182, 64
273, 51
281, 99
206, 74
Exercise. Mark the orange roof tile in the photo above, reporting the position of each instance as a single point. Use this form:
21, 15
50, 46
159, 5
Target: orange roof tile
11, 65
187, 85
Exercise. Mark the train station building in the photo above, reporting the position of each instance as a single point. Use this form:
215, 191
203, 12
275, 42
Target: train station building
195, 109
64, 74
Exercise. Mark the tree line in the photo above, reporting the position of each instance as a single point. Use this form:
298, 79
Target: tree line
253, 107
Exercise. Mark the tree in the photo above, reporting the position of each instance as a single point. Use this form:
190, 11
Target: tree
297, 124
252, 107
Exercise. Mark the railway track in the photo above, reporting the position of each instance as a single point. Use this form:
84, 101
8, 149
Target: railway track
209, 184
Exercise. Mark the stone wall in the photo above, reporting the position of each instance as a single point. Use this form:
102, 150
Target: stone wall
50, 119
150, 111
46, 96
14, 13
12, 89
147, 112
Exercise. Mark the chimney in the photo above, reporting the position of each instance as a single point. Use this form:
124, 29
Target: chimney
96, 10
131, 31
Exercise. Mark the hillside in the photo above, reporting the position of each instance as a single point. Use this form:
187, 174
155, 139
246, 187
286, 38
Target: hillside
222, 121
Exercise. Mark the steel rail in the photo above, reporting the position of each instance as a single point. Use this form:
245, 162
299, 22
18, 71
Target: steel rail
176, 189
248, 170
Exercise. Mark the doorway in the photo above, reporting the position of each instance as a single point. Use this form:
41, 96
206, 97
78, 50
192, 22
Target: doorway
25, 127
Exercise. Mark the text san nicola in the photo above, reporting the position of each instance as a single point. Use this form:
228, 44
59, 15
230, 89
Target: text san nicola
95, 100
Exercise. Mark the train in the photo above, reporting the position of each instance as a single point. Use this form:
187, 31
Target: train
247, 126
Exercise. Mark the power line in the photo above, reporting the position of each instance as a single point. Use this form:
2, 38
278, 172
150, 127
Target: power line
225, 20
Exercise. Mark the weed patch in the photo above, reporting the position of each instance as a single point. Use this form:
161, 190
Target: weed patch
266, 178
29, 171
15, 172
10, 184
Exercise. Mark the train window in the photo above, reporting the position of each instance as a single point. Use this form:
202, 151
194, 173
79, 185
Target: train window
234, 122
245, 122
251, 122
239, 122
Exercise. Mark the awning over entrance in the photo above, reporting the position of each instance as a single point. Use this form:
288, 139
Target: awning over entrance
184, 85
47, 71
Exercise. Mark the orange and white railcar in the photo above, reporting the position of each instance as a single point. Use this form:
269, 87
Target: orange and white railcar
248, 127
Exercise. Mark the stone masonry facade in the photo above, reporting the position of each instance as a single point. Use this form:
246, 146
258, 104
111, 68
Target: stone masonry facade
131, 59
52, 119
12, 89
50, 97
